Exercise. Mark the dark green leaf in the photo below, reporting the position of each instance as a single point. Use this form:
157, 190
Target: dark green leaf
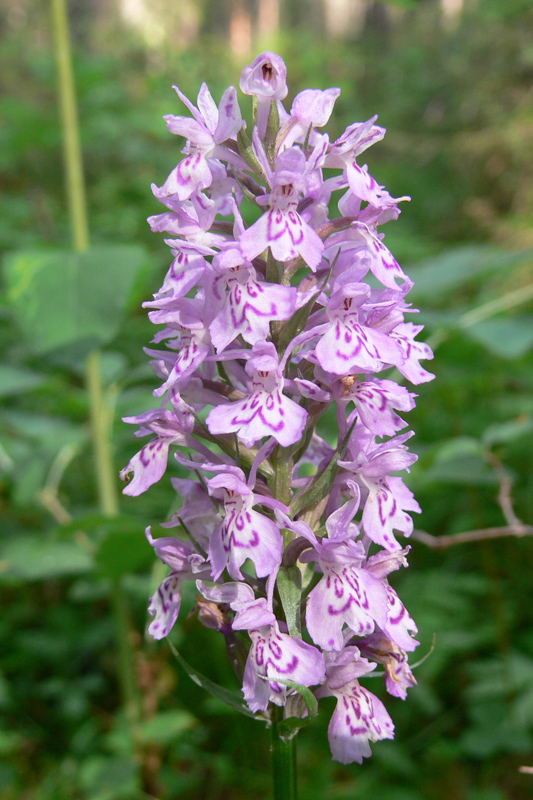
321, 486
507, 337
289, 582
17, 380
123, 551
232, 699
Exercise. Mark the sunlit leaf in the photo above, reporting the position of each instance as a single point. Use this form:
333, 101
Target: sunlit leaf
62, 298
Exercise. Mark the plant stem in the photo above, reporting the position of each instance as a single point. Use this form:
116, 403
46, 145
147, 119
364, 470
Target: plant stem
101, 411
101, 421
283, 761
69, 120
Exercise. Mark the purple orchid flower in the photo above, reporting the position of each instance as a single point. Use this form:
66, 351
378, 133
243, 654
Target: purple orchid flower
186, 565
150, 463
266, 328
243, 533
244, 305
266, 411
266, 79
205, 135
281, 228
360, 717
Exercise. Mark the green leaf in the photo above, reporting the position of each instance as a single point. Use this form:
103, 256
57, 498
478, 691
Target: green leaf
17, 380
505, 432
122, 551
165, 727
460, 460
232, 699
507, 337
34, 558
289, 583
321, 486
51, 433
247, 152
63, 298
290, 726
94, 522
297, 322
440, 276
309, 699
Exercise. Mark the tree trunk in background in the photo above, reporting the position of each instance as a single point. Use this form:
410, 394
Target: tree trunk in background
267, 18
344, 18
240, 31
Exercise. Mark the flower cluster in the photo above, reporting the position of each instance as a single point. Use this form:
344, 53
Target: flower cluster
289, 535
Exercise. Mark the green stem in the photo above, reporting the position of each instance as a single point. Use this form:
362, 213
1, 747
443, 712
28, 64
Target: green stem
101, 411
283, 761
101, 421
282, 480
283, 749
71, 138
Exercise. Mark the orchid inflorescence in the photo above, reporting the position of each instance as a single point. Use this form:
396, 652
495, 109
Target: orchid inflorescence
267, 326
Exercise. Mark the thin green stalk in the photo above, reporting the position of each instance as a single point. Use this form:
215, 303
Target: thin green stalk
283, 761
101, 421
101, 412
69, 120
283, 749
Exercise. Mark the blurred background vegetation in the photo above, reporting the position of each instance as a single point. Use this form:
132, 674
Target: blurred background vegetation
91, 709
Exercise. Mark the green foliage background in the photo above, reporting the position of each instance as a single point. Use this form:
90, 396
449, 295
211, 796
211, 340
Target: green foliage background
457, 103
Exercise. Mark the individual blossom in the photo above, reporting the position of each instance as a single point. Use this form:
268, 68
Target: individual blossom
310, 109
186, 564
242, 304
205, 135
266, 411
243, 533
266, 79
348, 344
359, 717
398, 675
149, 464
281, 228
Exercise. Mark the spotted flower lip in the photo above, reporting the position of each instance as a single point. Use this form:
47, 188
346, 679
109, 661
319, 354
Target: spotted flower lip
266, 411
276, 655
245, 305
149, 464
281, 228
275, 317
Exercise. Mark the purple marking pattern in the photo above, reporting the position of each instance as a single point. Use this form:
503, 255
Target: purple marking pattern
243, 534
248, 306
277, 655
260, 414
345, 595
349, 347
164, 606
359, 718
399, 623
383, 514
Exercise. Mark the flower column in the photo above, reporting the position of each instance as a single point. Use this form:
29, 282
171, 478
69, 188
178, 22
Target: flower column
289, 536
